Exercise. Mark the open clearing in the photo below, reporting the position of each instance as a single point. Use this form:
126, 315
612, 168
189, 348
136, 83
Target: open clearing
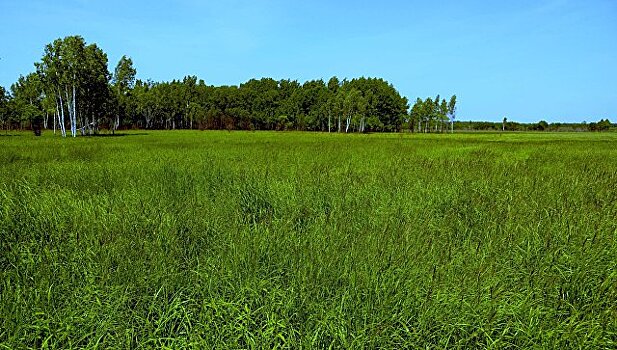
241, 240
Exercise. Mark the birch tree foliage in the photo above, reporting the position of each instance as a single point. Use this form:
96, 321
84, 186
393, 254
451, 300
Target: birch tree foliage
385, 107
76, 75
79, 94
443, 114
27, 99
123, 82
452, 111
124, 75
432, 115
415, 116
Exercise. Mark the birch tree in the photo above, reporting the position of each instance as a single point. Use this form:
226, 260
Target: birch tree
452, 111
123, 82
415, 116
443, 115
27, 100
76, 76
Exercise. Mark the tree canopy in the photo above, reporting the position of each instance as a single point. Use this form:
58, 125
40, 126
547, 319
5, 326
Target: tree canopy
73, 88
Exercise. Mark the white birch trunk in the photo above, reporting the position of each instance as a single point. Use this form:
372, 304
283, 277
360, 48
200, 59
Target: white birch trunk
339, 123
74, 113
69, 108
71, 117
61, 116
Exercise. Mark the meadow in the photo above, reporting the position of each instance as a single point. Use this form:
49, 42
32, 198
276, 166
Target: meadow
308, 240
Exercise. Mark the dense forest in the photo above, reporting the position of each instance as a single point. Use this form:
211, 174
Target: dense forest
73, 92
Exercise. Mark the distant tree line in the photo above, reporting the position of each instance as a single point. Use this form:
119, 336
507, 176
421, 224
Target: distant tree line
73, 93
602, 125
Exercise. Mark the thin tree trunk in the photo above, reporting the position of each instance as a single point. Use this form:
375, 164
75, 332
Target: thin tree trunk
69, 107
339, 123
61, 115
74, 112
91, 125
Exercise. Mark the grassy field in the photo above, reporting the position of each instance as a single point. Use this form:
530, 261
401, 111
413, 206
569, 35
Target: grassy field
306, 240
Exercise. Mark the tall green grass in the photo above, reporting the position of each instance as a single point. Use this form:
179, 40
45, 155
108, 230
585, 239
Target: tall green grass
298, 240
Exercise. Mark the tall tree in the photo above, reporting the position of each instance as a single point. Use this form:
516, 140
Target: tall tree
123, 82
27, 100
428, 110
415, 116
333, 85
443, 114
436, 116
452, 111
4, 106
76, 75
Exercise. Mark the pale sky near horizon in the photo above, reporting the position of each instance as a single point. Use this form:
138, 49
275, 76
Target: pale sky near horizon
528, 60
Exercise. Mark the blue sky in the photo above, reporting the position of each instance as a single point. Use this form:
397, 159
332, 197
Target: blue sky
528, 60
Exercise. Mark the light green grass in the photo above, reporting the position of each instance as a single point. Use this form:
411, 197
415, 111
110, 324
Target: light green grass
306, 240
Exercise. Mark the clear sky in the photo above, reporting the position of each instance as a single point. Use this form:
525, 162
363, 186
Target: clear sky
528, 60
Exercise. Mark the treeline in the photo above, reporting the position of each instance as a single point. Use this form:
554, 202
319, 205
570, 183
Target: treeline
363, 104
602, 125
73, 92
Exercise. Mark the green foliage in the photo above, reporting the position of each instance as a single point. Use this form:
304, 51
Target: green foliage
260, 105
26, 104
124, 75
432, 115
123, 82
542, 125
308, 240
72, 80
75, 76
5, 111
602, 125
